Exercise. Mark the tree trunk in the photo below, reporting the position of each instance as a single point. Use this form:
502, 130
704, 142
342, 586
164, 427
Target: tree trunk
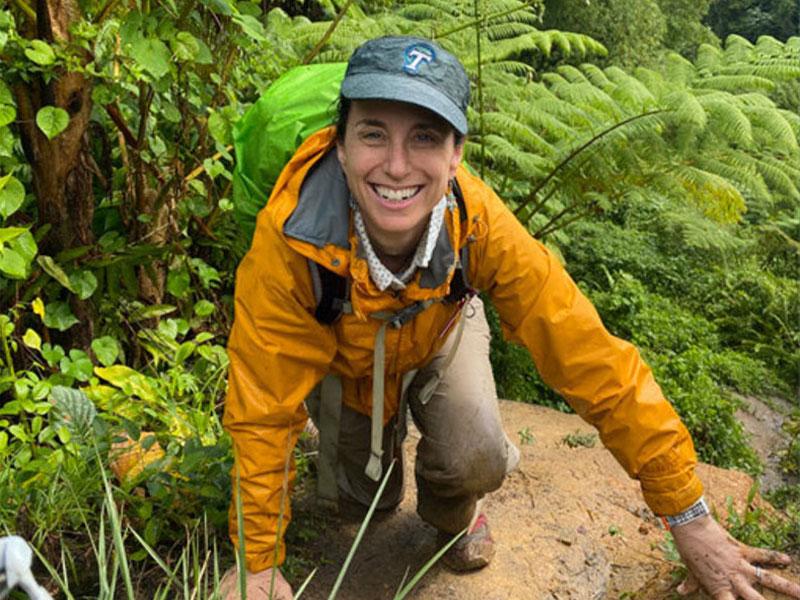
62, 173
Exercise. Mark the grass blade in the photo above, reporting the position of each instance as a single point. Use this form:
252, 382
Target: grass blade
305, 583
426, 567
360, 534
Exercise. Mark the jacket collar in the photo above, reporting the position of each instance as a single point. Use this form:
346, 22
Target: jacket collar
322, 218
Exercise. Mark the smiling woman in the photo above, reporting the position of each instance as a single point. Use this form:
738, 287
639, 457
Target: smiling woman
381, 206
398, 160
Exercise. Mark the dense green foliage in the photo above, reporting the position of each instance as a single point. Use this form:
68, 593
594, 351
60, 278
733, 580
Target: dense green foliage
754, 18
671, 192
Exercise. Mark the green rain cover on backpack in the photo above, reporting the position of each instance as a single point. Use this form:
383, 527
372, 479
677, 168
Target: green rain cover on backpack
298, 103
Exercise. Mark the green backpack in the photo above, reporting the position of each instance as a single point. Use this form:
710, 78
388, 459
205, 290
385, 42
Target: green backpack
298, 103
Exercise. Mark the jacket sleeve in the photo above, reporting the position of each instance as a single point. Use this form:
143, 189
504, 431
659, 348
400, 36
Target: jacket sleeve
602, 377
278, 352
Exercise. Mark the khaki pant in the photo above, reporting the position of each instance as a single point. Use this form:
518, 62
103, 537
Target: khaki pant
463, 452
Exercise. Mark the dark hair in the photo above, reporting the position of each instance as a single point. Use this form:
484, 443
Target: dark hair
343, 112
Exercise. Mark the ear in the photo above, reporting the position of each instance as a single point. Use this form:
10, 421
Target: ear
340, 152
458, 154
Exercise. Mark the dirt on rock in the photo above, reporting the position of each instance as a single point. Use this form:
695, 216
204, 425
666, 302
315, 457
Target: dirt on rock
568, 524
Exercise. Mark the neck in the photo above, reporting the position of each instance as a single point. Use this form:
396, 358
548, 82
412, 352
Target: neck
395, 249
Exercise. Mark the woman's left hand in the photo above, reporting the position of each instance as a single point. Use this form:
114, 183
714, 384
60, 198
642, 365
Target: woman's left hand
724, 567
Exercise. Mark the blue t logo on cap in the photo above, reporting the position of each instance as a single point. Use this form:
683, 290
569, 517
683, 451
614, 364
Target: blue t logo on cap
415, 56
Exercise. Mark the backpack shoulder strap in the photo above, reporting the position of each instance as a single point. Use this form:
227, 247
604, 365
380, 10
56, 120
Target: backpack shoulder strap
459, 286
332, 292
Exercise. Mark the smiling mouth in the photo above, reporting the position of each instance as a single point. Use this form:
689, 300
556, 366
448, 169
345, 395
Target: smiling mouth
396, 195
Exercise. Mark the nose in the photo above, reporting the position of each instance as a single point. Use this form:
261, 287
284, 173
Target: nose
398, 161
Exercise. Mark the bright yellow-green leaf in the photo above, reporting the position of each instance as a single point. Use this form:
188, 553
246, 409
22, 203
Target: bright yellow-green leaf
32, 340
128, 380
38, 307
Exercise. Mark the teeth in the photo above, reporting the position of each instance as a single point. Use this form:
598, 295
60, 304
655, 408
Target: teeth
391, 194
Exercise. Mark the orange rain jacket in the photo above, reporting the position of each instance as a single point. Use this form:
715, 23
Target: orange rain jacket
279, 351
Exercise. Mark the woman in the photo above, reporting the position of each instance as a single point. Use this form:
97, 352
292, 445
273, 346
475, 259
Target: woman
381, 203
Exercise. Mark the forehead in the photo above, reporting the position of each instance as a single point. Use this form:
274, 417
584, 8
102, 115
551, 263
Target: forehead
393, 113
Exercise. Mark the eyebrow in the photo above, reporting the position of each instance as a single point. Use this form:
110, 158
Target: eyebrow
421, 125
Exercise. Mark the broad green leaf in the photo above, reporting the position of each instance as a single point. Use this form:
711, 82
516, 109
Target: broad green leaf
52, 354
128, 380
178, 282
220, 129
55, 271
52, 120
3, 440
106, 349
251, 26
203, 308
168, 328
32, 340
12, 194
83, 283
10, 233
25, 245
5, 94
185, 46
204, 56
184, 351
221, 7
41, 53
153, 311
116, 375
58, 315
7, 114
78, 365
153, 56
12, 264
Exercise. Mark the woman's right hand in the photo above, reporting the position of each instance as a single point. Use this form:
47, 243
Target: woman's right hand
258, 585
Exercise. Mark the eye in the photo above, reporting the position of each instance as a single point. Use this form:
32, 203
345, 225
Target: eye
426, 137
371, 135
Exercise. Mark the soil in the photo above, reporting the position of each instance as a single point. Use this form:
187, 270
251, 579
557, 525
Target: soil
569, 524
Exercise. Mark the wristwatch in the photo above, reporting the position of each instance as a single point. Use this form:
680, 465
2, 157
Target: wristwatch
695, 511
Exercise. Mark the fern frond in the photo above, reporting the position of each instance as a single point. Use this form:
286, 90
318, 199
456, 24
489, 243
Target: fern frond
734, 83
511, 66
699, 232
778, 132
726, 118
519, 133
687, 109
679, 70
529, 165
776, 176
709, 58
432, 10
715, 195
596, 76
741, 173
504, 31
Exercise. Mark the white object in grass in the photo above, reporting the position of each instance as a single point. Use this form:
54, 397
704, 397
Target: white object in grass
16, 558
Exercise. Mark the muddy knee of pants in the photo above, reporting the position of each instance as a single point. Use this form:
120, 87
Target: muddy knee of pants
464, 452
451, 479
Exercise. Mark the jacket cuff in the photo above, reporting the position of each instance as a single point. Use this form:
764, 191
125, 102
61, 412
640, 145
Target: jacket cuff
673, 494
261, 561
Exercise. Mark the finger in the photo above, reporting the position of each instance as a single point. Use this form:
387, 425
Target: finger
765, 556
744, 589
779, 584
688, 585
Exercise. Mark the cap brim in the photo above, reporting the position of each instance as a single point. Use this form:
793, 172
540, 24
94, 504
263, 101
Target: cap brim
374, 86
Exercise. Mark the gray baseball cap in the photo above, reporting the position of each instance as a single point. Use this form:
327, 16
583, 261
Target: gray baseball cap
409, 69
